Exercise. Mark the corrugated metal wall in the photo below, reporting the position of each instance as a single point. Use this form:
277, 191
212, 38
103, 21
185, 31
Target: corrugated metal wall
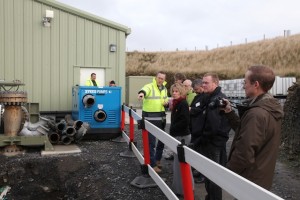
133, 85
48, 59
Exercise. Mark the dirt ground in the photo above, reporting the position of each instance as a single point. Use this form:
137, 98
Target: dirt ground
99, 172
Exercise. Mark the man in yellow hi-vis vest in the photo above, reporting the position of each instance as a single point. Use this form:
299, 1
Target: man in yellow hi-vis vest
92, 81
155, 98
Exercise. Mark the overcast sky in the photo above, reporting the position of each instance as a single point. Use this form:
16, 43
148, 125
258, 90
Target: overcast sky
167, 25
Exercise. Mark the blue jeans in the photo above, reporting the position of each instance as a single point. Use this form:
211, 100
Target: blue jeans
156, 150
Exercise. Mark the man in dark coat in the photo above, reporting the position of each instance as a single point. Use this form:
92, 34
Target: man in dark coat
256, 142
212, 131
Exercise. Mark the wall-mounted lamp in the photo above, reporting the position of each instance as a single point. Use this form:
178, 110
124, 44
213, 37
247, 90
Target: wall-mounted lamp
112, 48
47, 19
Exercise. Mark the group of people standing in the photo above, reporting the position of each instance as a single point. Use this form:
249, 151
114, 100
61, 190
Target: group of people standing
202, 117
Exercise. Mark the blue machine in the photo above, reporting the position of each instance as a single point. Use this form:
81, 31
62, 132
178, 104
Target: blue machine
100, 107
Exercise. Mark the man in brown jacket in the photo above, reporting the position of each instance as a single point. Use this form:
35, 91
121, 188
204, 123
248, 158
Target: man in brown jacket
257, 129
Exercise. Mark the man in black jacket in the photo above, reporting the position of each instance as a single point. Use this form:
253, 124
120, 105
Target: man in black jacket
213, 130
196, 110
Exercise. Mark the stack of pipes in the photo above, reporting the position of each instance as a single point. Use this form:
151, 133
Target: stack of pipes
66, 131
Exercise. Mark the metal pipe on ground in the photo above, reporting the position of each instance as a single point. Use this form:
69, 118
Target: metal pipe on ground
69, 131
61, 125
54, 137
77, 124
81, 132
66, 140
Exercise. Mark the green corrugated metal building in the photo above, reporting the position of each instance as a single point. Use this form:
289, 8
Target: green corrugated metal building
51, 57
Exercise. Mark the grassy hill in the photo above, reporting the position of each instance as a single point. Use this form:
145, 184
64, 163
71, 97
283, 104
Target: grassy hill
281, 53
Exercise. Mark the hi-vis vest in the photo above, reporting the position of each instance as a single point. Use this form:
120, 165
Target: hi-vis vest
89, 82
154, 98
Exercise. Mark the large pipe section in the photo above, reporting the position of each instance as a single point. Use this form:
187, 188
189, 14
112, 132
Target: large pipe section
88, 100
66, 139
54, 137
12, 119
12, 116
69, 131
100, 115
15, 120
61, 126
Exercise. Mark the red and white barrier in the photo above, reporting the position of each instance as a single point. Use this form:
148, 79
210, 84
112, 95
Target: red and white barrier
234, 184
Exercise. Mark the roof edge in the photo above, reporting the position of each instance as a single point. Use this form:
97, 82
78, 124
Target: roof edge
86, 15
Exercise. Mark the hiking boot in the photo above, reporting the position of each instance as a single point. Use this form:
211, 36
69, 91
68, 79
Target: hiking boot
158, 164
157, 170
196, 174
169, 157
199, 179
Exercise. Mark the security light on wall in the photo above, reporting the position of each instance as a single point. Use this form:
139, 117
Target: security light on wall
47, 19
112, 48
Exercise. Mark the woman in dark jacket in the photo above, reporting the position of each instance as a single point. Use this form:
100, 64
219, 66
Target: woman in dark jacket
179, 129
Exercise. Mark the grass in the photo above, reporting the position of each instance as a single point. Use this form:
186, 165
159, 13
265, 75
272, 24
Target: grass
281, 53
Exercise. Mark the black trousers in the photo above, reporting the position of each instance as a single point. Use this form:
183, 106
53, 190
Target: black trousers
217, 154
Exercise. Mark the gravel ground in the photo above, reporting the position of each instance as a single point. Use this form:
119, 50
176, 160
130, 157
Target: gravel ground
99, 172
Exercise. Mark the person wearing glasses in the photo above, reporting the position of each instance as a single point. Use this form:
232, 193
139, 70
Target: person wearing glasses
213, 130
257, 128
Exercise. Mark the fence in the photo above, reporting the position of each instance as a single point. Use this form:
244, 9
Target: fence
234, 184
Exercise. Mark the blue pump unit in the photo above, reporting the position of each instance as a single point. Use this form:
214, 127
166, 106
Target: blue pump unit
100, 107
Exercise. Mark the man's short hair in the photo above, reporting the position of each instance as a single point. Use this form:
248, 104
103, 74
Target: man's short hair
264, 75
214, 76
197, 82
179, 76
93, 74
161, 72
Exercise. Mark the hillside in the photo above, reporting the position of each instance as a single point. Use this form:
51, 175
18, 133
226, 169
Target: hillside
281, 53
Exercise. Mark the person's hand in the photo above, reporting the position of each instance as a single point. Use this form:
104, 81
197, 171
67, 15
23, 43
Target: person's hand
140, 96
228, 107
165, 104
